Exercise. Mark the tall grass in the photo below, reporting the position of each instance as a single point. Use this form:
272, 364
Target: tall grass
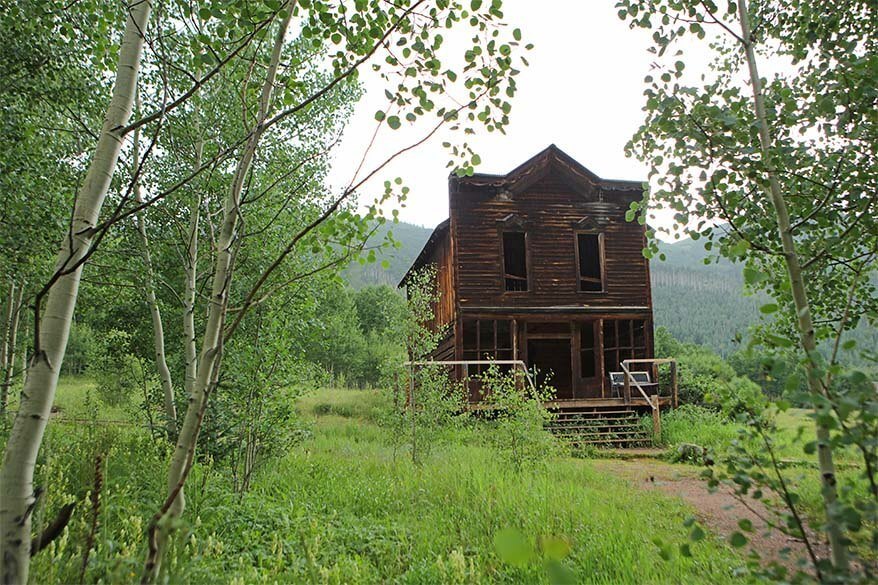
696, 425
344, 506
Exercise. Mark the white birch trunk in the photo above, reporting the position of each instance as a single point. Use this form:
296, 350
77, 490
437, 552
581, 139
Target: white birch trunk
16, 475
4, 342
190, 349
800, 297
12, 339
211, 348
158, 330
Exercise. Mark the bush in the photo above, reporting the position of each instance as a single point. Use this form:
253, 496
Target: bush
83, 349
431, 417
120, 374
521, 435
701, 372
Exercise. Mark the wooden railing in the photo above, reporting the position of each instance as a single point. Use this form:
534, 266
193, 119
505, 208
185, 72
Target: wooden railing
516, 364
653, 401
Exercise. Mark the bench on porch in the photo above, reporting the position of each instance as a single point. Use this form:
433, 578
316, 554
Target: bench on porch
617, 383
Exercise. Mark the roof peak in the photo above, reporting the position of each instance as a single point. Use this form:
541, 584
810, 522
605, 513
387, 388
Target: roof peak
551, 156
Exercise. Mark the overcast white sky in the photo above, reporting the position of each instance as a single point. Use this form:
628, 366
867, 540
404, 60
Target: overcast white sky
582, 92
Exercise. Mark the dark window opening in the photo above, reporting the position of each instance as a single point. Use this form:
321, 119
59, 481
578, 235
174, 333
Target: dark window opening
624, 339
588, 248
487, 339
587, 354
514, 261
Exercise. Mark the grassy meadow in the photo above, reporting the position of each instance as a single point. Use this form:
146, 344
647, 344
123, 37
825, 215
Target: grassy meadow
346, 505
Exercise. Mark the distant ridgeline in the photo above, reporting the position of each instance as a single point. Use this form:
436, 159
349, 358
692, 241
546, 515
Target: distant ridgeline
697, 303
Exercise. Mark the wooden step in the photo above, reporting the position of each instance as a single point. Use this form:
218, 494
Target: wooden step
599, 411
597, 431
618, 426
614, 434
597, 418
633, 418
621, 441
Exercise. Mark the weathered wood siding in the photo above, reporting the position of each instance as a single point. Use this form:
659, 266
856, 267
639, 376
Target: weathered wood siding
442, 260
550, 210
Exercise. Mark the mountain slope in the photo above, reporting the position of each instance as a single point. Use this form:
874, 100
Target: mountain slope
698, 303
412, 237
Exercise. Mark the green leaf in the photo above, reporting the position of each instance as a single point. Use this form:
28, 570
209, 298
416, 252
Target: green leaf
738, 540
753, 276
560, 574
516, 34
555, 547
512, 547
379, 115
697, 533
768, 309
393, 122
778, 341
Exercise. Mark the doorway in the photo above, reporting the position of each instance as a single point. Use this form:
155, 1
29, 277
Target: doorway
552, 359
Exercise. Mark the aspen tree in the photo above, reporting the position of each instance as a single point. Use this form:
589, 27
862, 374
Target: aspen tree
212, 344
17, 497
158, 329
800, 297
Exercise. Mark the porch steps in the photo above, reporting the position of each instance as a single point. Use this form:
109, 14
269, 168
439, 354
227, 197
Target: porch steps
616, 426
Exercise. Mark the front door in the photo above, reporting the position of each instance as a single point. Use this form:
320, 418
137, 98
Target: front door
553, 360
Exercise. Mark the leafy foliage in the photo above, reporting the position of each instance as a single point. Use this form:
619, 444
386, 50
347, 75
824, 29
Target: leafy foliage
521, 416
776, 174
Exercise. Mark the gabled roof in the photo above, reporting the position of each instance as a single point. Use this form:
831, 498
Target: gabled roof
529, 172
518, 180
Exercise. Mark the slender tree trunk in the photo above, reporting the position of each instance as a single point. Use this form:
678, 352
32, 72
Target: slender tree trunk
190, 349
212, 344
800, 298
12, 337
24, 364
4, 342
16, 477
158, 330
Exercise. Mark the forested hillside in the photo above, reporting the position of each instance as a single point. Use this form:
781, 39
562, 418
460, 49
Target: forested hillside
701, 303
698, 303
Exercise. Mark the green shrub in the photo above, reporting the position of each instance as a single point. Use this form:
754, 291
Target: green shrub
697, 425
83, 349
520, 427
120, 374
427, 416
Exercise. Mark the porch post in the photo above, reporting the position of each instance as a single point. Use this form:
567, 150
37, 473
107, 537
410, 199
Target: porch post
599, 323
656, 421
514, 339
674, 400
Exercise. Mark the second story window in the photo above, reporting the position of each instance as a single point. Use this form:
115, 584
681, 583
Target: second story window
589, 261
514, 261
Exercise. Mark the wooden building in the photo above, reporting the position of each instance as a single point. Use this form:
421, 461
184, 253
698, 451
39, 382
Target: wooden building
540, 265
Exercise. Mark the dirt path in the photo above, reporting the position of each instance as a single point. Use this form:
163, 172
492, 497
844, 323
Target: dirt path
719, 511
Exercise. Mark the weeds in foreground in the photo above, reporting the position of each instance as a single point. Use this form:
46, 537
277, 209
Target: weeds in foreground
339, 508
520, 434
